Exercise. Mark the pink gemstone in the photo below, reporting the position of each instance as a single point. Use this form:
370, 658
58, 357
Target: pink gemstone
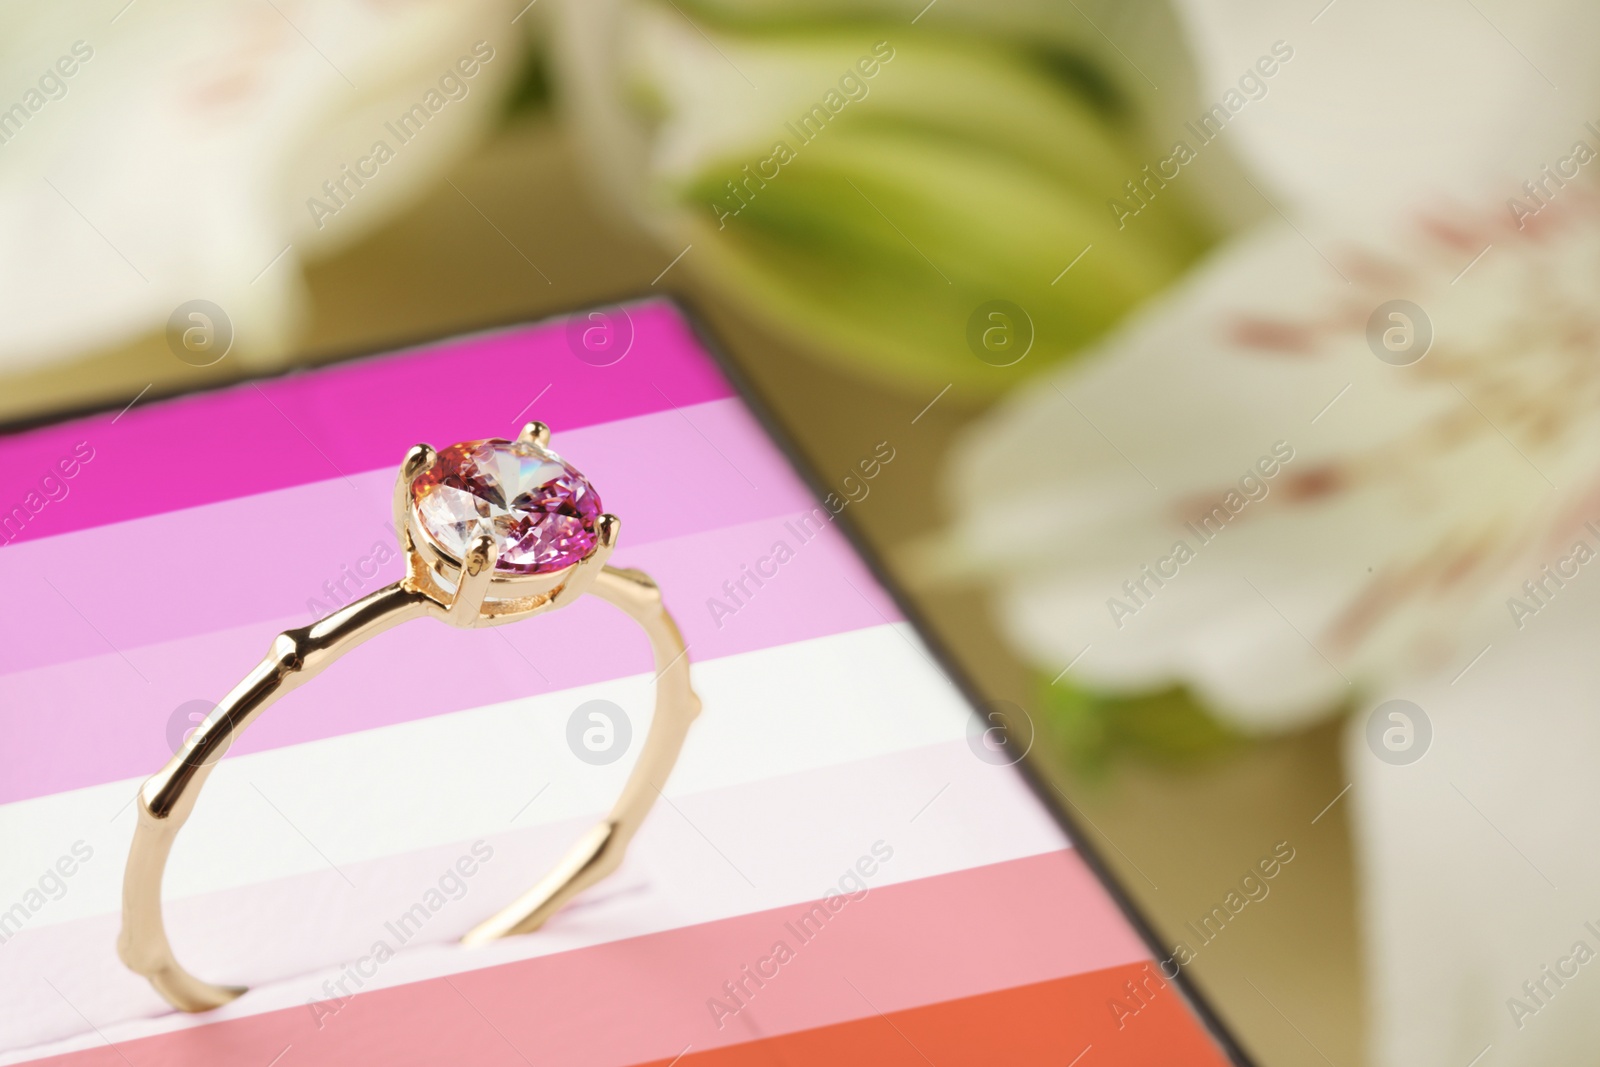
540, 511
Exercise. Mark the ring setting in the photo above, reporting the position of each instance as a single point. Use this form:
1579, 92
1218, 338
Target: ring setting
521, 522
540, 509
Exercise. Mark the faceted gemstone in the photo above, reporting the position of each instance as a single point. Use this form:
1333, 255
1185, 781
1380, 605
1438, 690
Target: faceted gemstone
540, 511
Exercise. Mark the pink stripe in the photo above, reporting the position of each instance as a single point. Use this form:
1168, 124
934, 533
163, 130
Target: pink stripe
645, 998
424, 668
254, 438
234, 562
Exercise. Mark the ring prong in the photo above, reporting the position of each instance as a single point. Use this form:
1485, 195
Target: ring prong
418, 459
477, 572
536, 433
584, 572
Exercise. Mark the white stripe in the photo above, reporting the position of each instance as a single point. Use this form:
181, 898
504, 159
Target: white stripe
455, 777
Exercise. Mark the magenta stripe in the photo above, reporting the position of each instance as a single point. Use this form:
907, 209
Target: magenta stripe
425, 668
266, 556
254, 438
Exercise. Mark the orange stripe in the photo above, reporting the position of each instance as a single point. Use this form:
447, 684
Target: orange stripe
1048, 1023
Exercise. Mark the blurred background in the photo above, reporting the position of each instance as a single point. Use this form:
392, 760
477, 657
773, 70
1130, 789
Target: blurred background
1306, 289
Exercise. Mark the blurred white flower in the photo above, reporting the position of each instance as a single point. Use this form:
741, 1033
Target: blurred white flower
1323, 558
177, 158
1372, 525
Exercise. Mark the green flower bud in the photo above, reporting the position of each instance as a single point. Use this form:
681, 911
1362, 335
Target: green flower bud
874, 190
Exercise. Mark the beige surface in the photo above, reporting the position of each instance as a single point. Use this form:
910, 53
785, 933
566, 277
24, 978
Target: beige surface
1285, 973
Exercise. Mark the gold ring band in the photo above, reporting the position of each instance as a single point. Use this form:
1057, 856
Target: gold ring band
467, 592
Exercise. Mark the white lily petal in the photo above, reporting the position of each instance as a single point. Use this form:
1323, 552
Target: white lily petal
1477, 863
1417, 499
180, 157
1387, 106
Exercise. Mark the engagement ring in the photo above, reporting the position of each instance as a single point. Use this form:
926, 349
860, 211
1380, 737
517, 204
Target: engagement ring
492, 532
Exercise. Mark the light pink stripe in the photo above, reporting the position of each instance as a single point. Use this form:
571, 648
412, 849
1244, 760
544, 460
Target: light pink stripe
234, 562
645, 998
257, 437
123, 702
